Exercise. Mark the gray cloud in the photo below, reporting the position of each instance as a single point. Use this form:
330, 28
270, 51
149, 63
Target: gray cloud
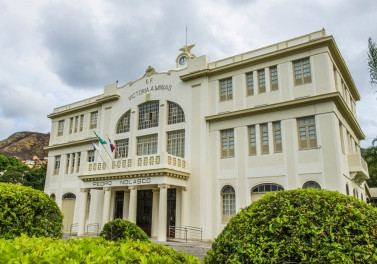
57, 52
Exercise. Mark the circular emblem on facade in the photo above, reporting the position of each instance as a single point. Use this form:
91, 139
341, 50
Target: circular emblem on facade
183, 60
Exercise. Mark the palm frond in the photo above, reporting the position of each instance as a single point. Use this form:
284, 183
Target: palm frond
372, 61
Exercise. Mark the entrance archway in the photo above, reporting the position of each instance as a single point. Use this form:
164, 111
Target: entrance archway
68, 210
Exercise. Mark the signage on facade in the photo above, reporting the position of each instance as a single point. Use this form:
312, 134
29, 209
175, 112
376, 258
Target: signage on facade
151, 88
121, 182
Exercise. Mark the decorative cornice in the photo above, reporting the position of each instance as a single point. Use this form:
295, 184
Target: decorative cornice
135, 174
97, 103
71, 144
335, 97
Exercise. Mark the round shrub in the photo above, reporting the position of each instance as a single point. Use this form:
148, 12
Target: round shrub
87, 250
299, 226
24, 210
122, 229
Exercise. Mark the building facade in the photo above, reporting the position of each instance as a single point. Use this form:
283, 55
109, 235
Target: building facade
197, 143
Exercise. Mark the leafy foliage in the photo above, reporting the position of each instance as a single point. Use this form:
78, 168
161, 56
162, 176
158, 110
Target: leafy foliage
299, 226
119, 229
372, 61
370, 156
17, 172
28, 211
87, 250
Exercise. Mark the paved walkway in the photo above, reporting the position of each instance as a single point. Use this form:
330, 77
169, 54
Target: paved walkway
195, 248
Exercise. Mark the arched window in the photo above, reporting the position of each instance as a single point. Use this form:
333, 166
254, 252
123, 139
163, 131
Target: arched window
311, 185
263, 188
69, 196
53, 196
175, 114
148, 115
228, 203
124, 123
258, 191
347, 189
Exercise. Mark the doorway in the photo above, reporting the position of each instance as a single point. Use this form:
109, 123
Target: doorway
171, 210
119, 201
68, 210
144, 210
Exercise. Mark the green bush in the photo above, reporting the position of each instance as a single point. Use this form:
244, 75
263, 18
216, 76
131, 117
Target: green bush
24, 210
87, 250
122, 229
299, 226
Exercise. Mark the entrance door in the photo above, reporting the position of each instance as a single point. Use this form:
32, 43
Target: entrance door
144, 210
68, 209
171, 210
119, 200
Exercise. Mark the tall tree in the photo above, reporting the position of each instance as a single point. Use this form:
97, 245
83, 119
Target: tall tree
372, 61
370, 156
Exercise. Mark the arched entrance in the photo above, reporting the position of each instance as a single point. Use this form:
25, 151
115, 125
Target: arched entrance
68, 210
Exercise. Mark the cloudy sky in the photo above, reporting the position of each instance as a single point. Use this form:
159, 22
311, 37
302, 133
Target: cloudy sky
60, 51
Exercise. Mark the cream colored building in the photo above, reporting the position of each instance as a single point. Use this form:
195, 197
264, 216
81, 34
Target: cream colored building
197, 143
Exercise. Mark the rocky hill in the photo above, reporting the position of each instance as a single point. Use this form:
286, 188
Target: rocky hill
25, 145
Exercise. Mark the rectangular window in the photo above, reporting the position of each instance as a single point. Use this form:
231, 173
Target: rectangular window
60, 127
261, 81
68, 163
57, 164
121, 150
226, 89
91, 156
250, 83
302, 71
147, 145
274, 78
336, 78
277, 137
341, 137
81, 122
227, 143
148, 115
307, 133
76, 124
264, 138
71, 125
73, 162
93, 119
252, 141
176, 143
78, 161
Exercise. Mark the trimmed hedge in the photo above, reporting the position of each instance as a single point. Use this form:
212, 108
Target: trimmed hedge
87, 250
24, 210
299, 226
119, 229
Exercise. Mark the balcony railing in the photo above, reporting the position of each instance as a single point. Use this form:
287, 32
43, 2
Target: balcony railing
138, 163
358, 167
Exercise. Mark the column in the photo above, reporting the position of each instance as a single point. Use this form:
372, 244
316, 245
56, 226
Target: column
82, 210
133, 204
162, 212
178, 207
183, 206
155, 212
106, 206
126, 202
